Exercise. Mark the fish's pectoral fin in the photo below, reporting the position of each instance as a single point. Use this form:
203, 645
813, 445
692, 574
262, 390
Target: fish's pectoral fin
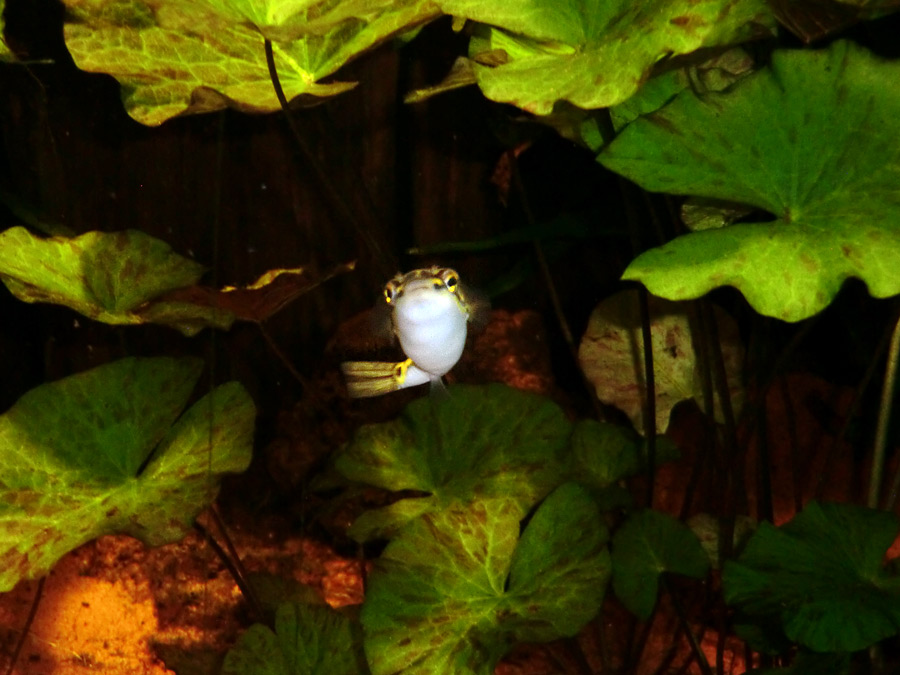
374, 378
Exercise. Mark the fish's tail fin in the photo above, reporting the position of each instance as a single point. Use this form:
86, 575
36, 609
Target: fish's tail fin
374, 378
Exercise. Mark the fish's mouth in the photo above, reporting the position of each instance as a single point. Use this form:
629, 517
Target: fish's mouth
425, 304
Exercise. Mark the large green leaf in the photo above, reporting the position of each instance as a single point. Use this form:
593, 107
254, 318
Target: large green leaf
593, 53
821, 574
455, 590
307, 639
70, 452
106, 276
648, 544
812, 140
479, 442
188, 56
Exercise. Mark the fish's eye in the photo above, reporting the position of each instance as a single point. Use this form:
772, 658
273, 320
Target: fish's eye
451, 280
390, 292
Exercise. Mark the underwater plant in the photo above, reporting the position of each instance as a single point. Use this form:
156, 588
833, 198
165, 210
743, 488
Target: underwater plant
754, 173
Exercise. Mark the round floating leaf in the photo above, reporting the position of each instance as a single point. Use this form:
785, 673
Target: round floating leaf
454, 590
481, 441
812, 140
70, 451
821, 575
174, 57
611, 354
648, 544
592, 54
307, 639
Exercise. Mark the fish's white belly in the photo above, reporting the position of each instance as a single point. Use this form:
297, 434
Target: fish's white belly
433, 343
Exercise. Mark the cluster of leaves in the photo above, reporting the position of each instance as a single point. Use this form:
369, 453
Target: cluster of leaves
131, 278
817, 581
109, 451
808, 139
461, 581
177, 56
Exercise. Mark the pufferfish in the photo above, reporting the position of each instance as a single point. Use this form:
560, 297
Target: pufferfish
429, 313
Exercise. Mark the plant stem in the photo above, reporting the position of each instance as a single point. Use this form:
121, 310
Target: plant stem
234, 569
686, 627
38, 594
650, 400
884, 416
852, 411
551, 286
386, 266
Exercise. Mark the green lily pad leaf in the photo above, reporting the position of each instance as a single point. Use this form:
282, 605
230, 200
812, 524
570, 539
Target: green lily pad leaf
648, 544
457, 588
611, 354
481, 441
604, 454
593, 55
71, 450
811, 140
821, 575
307, 639
104, 275
175, 56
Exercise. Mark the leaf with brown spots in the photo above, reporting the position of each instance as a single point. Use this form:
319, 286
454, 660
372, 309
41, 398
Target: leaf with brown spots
457, 588
72, 452
486, 441
810, 139
132, 278
611, 354
175, 57
102, 275
593, 54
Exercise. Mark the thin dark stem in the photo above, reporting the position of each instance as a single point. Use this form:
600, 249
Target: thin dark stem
733, 474
794, 439
852, 411
884, 417
650, 399
550, 285
765, 509
285, 361
649, 403
233, 569
757, 421
686, 627
32, 613
636, 649
387, 267
700, 341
